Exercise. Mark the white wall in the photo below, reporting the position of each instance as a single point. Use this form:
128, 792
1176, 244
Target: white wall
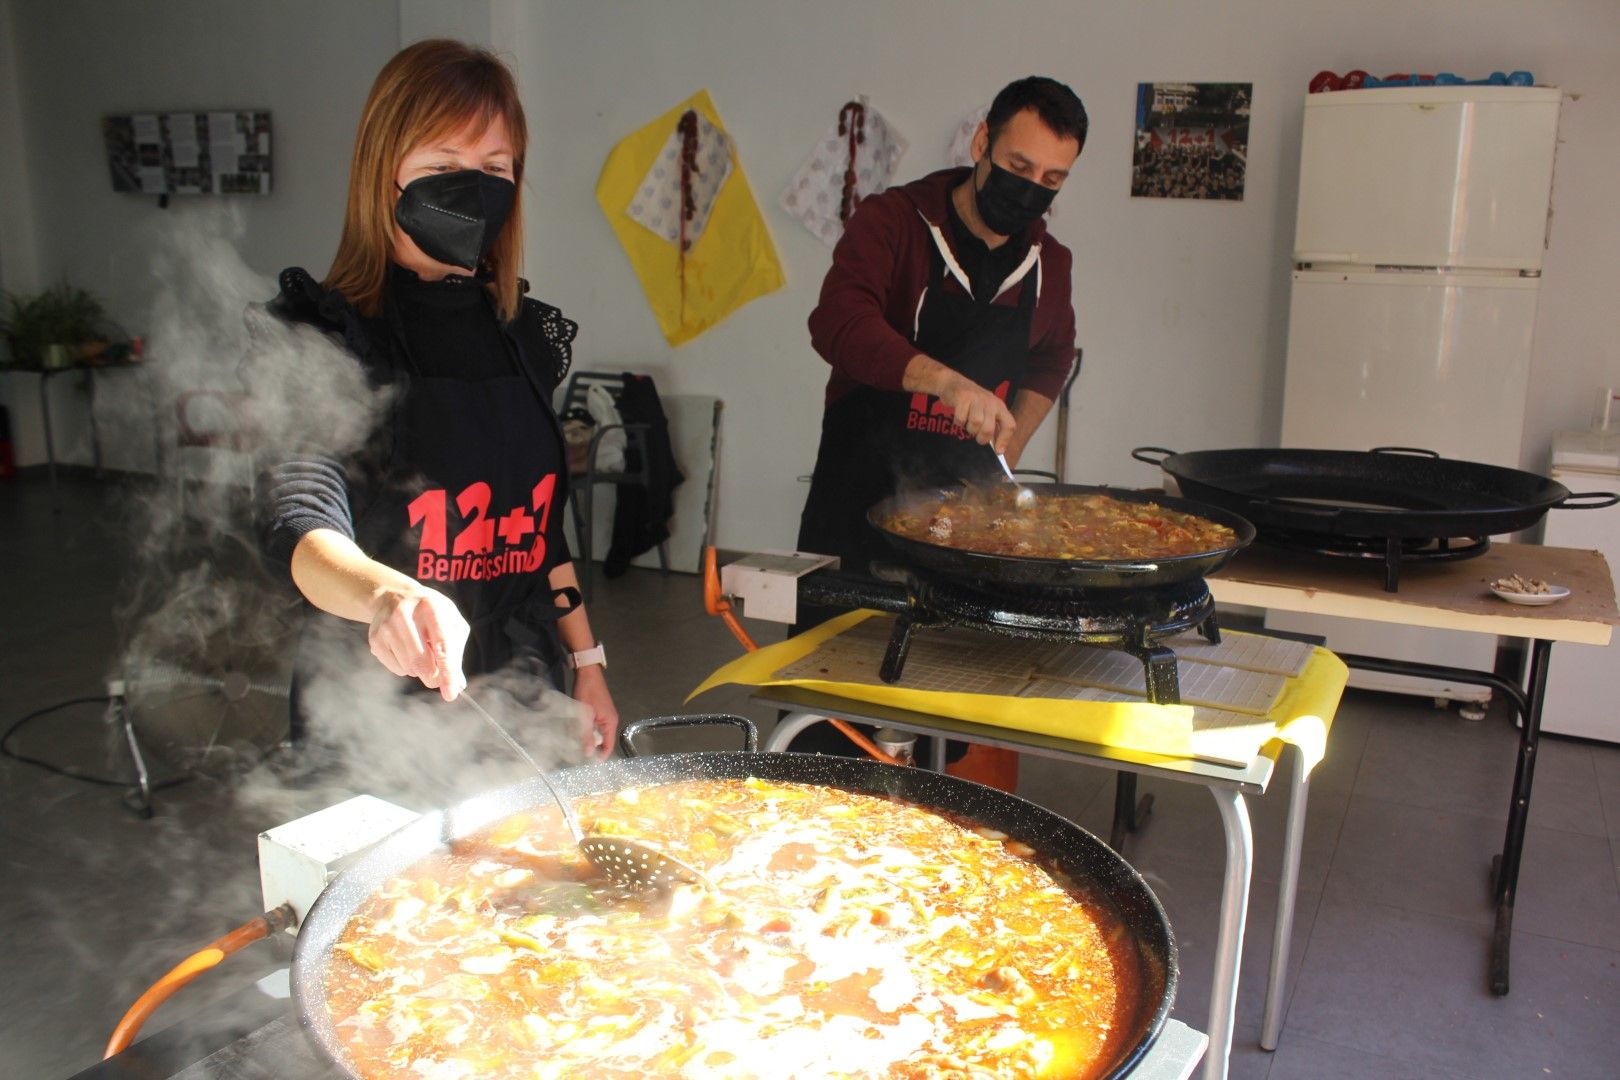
17, 265
310, 62
1182, 306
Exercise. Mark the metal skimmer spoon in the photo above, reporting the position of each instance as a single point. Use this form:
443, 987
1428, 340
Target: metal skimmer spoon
1025, 497
624, 862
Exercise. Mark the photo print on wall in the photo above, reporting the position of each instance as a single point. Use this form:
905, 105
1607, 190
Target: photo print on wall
1192, 140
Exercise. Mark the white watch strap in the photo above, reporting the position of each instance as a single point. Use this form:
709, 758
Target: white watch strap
596, 654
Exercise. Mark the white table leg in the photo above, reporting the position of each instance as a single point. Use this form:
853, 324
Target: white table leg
1299, 789
1229, 939
789, 726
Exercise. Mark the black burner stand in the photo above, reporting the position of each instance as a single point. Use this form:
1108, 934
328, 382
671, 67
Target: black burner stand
1392, 551
1134, 621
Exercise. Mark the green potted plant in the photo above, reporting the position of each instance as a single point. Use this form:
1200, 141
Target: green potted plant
55, 329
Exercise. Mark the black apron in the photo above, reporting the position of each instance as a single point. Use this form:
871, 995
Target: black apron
475, 479
875, 441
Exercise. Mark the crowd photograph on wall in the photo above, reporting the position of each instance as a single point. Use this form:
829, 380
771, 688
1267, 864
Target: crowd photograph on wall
1192, 140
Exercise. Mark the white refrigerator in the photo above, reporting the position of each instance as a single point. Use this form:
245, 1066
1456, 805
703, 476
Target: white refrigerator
1422, 219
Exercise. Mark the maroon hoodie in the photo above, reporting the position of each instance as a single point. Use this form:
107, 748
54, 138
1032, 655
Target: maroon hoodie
864, 322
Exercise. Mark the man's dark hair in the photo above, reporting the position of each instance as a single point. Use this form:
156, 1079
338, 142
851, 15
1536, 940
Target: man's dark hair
1058, 107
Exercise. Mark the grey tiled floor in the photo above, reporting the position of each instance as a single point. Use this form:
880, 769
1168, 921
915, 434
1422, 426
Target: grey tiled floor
1388, 966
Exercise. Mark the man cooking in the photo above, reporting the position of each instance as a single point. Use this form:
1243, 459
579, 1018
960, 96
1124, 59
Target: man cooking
947, 320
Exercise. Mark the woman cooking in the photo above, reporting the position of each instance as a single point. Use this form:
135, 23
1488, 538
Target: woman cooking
444, 536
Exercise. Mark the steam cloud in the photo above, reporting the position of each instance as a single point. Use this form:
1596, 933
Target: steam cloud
206, 640
205, 624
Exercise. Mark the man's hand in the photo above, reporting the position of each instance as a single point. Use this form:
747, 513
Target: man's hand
976, 410
417, 632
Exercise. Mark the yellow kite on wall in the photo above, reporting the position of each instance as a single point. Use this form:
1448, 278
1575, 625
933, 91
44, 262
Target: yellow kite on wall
675, 194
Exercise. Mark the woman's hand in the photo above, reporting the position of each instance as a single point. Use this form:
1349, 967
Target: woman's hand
590, 688
418, 633
414, 631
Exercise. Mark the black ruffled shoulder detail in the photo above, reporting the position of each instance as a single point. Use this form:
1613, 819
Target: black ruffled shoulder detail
554, 333
304, 301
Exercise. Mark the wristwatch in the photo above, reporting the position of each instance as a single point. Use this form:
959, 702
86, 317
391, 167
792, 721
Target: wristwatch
586, 657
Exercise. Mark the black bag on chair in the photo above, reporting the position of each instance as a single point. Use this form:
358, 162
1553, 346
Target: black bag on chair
641, 515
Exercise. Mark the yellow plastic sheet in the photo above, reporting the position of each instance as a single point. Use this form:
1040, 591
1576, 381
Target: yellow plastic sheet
1302, 716
732, 263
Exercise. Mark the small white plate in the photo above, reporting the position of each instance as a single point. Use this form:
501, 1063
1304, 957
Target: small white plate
1553, 594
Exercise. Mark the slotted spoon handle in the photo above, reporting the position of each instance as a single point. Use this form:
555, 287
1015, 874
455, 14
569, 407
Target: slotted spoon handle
562, 803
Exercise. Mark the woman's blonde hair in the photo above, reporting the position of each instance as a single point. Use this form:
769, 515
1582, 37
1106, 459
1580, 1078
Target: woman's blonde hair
427, 91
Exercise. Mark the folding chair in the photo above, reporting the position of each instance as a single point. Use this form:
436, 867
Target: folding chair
583, 482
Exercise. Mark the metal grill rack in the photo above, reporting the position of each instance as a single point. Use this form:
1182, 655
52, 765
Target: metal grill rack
1137, 621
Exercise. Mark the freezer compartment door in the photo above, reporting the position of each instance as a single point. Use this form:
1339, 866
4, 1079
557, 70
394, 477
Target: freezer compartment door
1440, 361
1435, 176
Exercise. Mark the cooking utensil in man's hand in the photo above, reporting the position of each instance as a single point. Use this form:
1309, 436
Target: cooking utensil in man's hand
1025, 497
625, 862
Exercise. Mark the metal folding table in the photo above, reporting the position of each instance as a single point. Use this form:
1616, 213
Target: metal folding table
89, 372
1449, 596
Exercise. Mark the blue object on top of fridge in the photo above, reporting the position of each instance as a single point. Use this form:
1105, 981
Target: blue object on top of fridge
1446, 78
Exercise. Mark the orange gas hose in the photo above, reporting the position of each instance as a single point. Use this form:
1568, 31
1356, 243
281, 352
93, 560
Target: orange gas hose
716, 604
191, 967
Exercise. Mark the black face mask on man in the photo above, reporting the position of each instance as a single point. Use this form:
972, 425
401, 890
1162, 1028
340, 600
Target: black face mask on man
1007, 203
455, 217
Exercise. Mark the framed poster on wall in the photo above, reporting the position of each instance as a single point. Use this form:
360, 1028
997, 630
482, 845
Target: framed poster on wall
1192, 140
189, 153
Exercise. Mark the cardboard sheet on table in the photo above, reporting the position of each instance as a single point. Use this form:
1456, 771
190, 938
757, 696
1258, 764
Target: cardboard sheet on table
1000, 665
1302, 715
1220, 735
961, 660
1221, 687
1251, 652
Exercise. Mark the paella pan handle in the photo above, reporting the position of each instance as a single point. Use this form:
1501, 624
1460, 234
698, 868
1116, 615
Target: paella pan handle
627, 737
1144, 454
1604, 498
1418, 450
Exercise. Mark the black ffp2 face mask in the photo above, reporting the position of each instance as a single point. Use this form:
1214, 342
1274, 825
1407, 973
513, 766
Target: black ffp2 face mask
1008, 204
455, 217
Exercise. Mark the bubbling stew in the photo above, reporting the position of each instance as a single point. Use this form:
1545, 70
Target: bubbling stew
837, 934
1071, 526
